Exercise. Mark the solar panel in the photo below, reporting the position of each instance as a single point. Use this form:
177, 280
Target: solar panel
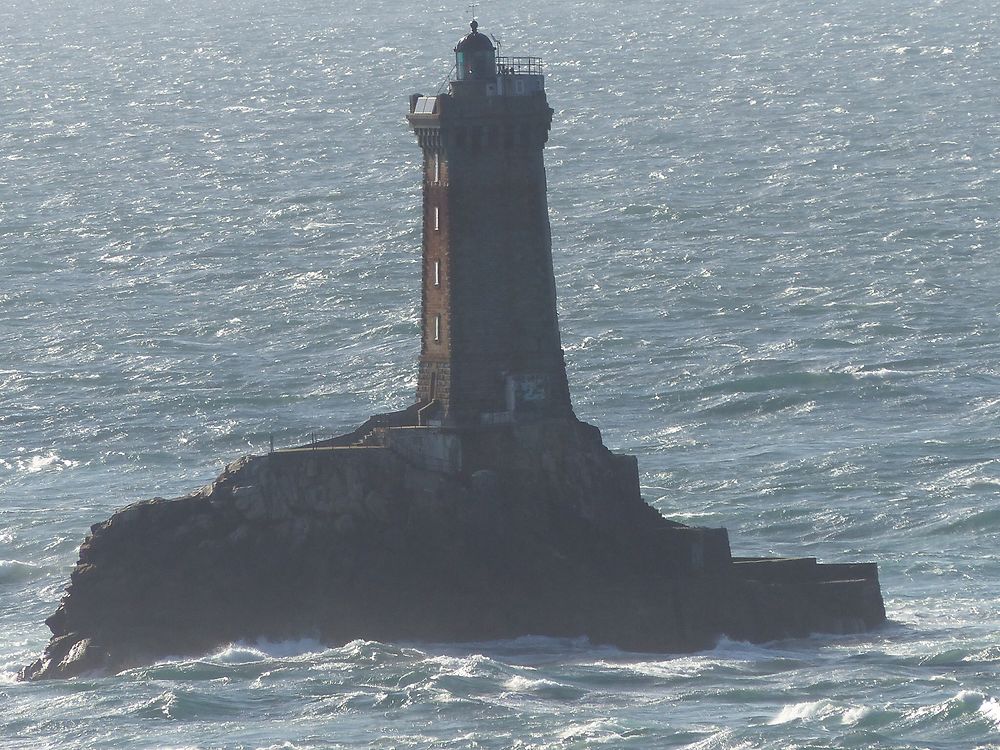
425, 105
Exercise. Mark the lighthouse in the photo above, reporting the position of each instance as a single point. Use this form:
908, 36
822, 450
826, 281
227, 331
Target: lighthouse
490, 348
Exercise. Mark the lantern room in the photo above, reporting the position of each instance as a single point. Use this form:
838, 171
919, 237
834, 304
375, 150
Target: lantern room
475, 57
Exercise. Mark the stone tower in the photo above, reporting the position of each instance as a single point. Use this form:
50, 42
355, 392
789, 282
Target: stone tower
490, 349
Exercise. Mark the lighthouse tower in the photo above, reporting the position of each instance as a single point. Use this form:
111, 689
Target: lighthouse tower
490, 350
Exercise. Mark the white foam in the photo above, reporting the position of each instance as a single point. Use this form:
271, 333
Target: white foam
520, 684
721, 740
8, 676
600, 731
245, 653
964, 702
855, 714
239, 653
472, 665
801, 711
990, 708
161, 704
670, 669
42, 462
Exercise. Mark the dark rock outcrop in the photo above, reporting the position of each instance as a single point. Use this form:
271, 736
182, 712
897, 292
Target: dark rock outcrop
429, 534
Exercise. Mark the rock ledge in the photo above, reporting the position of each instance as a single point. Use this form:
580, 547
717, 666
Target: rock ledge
411, 533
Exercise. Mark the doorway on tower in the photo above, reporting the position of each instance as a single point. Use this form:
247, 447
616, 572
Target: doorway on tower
432, 393
430, 414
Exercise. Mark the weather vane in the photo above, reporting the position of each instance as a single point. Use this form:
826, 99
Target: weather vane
472, 10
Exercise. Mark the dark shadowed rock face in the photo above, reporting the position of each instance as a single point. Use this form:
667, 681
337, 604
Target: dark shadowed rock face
542, 531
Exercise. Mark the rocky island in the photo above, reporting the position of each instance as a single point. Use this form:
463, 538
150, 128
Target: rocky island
486, 510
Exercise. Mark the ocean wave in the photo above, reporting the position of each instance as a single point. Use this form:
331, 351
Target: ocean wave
975, 521
374, 652
264, 650
519, 684
39, 462
592, 732
289, 648
830, 714
544, 689
723, 739
797, 381
245, 660
820, 709
990, 709
190, 705
731, 406
856, 715
15, 571
949, 657
238, 654
967, 707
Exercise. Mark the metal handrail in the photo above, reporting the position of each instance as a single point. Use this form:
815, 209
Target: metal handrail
519, 66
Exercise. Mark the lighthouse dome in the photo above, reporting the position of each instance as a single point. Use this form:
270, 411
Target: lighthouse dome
475, 57
475, 42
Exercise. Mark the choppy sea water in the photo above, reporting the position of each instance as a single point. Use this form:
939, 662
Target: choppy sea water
776, 236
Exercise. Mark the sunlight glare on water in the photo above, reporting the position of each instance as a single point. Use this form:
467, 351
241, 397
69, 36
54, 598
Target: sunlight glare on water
775, 233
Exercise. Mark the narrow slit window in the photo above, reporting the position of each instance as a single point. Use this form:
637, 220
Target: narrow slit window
437, 219
437, 327
437, 167
437, 273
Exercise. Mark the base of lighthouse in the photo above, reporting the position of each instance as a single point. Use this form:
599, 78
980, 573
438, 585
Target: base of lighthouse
404, 533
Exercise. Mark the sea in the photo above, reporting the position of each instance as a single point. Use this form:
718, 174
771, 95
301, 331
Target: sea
775, 231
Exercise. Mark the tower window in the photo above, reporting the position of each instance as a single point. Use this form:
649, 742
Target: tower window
437, 327
437, 273
437, 219
437, 167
